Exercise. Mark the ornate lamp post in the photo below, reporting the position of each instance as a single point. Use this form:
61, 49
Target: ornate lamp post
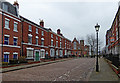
97, 30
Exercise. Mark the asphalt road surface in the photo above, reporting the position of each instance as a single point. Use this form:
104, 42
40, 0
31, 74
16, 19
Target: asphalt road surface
71, 70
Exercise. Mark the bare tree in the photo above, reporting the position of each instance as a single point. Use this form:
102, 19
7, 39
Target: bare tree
91, 40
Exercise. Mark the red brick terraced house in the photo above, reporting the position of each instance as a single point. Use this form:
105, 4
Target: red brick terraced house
113, 36
10, 26
79, 49
22, 37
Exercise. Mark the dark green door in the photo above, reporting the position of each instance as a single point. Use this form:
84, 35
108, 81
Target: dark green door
37, 56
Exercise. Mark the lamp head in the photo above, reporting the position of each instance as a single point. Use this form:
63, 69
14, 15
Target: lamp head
97, 27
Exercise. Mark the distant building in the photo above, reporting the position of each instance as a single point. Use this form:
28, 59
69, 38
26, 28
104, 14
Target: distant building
79, 49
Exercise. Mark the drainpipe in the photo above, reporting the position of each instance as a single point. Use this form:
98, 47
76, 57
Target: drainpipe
119, 41
22, 20
2, 33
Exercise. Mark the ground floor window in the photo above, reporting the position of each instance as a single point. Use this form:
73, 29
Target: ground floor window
6, 57
42, 54
52, 52
29, 53
15, 56
61, 53
65, 52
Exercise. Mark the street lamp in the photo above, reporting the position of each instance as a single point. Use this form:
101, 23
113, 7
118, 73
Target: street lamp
97, 29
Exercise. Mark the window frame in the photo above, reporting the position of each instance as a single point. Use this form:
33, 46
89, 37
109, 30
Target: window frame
16, 30
16, 41
29, 36
6, 40
52, 44
8, 25
42, 41
42, 33
37, 31
30, 28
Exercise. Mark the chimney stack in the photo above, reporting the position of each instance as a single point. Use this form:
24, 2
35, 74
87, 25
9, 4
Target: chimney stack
58, 31
16, 4
82, 42
42, 23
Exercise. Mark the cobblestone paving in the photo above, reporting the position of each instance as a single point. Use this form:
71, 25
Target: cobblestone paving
72, 70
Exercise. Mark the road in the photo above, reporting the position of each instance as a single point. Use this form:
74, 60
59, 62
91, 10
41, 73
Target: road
71, 70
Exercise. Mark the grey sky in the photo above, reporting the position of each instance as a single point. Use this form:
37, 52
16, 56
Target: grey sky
75, 19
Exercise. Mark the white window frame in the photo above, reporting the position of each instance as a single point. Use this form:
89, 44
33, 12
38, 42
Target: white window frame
42, 40
75, 46
29, 28
56, 43
42, 51
8, 53
16, 54
52, 44
30, 49
60, 44
37, 40
14, 27
60, 39
8, 20
51, 35
36, 30
8, 37
15, 38
29, 35
56, 38
42, 33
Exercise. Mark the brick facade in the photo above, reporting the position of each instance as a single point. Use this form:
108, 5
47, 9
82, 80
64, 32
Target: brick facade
79, 49
31, 40
113, 36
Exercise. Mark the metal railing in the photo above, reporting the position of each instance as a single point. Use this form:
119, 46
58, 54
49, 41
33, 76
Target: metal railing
114, 58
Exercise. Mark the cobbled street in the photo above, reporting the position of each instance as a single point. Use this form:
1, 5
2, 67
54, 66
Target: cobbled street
72, 70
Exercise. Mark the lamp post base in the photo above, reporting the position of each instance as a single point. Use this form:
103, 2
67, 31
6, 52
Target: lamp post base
97, 68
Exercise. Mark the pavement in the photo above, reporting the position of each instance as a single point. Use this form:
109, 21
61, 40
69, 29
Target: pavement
30, 65
105, 73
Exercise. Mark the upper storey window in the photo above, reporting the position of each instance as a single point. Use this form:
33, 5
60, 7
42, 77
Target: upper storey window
9, 8
42, 33
7, 23
74, 45
5, 7
30, 28
15, 26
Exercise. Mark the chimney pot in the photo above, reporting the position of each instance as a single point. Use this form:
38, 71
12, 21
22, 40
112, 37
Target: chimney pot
41, 23
58, 31
16, 3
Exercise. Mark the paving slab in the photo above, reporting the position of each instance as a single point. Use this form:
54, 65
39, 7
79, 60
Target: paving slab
105, 74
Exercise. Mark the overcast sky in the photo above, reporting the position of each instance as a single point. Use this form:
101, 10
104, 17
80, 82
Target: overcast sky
75, 18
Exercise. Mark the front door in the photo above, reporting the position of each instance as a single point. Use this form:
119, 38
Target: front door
37, 56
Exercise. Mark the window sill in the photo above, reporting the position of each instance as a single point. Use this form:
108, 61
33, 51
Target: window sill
7, 28
29, 43
42, 57
15, 31
30, 58
30, 31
